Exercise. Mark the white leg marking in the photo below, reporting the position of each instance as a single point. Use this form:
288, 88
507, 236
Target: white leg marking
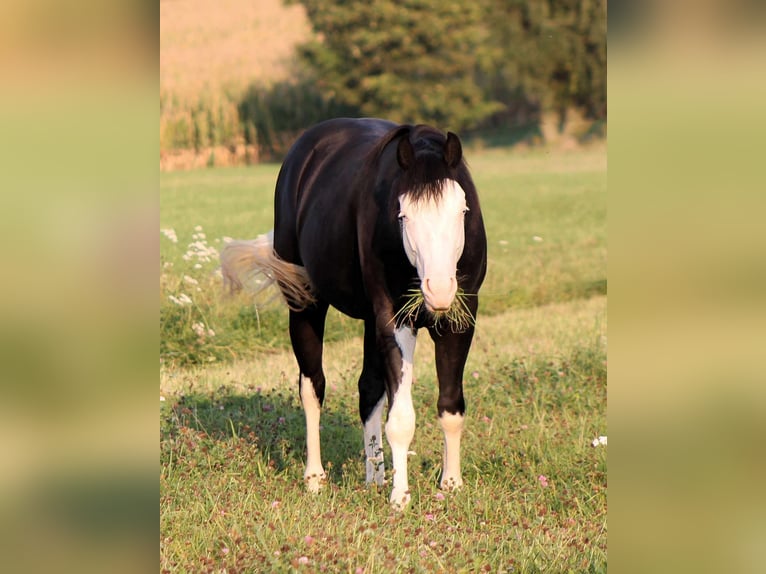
452, 425
314, 475
400, 427
373, 444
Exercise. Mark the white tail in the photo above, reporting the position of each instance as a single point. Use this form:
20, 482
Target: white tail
242, 262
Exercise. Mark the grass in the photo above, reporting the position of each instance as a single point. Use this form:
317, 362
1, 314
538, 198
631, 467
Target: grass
232, 460
546, 221
215, 56
226, 46
457, 318
232, 441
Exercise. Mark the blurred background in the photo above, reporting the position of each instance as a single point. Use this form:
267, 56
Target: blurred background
240, 79
687, 305
79, 220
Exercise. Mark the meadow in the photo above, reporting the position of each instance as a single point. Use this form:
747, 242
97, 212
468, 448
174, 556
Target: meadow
232, 444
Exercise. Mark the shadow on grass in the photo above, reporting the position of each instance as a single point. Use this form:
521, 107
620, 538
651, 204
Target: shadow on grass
273, 422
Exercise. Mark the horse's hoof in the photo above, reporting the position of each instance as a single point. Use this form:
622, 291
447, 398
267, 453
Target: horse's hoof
400, 500
315, 482
451, 483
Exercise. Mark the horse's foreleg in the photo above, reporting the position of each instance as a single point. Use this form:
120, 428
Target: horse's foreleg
451, 354
452, 426
306, 333
400, 427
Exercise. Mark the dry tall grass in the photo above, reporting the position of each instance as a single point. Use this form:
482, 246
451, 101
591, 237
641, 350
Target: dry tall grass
210, 54
228, 44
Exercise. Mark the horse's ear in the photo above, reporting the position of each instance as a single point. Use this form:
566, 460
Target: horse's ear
453, 150
405, 153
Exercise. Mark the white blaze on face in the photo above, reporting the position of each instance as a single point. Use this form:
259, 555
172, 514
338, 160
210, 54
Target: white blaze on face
433, 235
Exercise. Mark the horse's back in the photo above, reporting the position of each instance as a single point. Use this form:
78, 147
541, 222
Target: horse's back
315, 205
323, 161
328, 133
340, 140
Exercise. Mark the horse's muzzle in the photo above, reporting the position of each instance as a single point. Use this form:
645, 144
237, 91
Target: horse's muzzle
438, 292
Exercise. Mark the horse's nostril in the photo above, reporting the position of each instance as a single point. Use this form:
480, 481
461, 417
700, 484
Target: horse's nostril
439, 292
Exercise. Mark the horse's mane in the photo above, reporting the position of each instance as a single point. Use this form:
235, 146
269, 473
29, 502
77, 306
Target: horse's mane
424, 179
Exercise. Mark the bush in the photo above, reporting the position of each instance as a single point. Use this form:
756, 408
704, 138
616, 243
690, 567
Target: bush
277, 115
413, 62
207, 121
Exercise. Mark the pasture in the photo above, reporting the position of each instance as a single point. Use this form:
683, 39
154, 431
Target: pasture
232, 429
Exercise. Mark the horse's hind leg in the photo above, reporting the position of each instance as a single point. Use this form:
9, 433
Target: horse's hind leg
372, 388
306, 334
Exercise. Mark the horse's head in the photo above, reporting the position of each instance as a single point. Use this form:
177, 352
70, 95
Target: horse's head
432, 211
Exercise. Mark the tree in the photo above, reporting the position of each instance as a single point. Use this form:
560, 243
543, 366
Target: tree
409, 61
548, 55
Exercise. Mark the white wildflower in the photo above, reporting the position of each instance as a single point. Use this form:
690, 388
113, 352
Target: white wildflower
190, 280
537, 238
503, 242
200, 250
599, 441
197, 228
227, 239
201, 331
170, 233
182, 300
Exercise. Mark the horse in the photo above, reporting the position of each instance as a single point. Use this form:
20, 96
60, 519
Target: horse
382, 221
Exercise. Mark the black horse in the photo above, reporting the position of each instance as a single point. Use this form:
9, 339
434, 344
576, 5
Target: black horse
381, 221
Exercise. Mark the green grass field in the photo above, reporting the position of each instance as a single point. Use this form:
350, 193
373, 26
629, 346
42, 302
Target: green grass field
232, 444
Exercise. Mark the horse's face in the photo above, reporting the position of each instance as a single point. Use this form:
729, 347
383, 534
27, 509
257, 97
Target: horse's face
433, 235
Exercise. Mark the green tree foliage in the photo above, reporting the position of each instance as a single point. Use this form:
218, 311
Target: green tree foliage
278, 114
460, 64
548, 55
410, 61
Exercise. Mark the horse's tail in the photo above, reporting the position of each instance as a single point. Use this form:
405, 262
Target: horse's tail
253, 264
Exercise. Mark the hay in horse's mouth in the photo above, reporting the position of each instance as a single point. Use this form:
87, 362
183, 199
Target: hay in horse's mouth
458, 317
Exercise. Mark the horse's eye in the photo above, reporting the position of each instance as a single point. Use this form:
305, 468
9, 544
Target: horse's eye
402, 217
465, 209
